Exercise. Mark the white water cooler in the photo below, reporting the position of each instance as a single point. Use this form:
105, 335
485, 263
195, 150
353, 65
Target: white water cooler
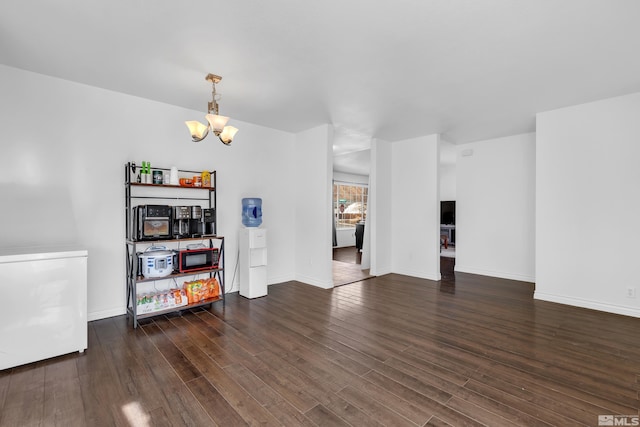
253, 262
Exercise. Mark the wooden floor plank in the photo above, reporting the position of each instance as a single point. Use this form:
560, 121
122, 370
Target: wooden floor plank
266, 396
353, 415
431, 386
5, 379
63, 403
410, 404
159, 417
24, 401
181, 364
324, 417
374, 408
419, 400
201, 335
213, 402
437, 422
512, 405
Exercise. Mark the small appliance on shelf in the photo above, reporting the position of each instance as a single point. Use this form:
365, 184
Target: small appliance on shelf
156, 262
197, 257
152, 222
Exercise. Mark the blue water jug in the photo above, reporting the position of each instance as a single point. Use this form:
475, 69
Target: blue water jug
252, 212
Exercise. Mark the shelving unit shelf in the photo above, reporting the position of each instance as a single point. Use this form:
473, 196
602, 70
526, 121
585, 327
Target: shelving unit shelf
136, 194
209, 301
142, 279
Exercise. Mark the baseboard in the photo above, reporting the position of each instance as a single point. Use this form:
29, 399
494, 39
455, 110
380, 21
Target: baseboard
499, 274
583, 303
314, 282
281, 279
103, 314
420, 274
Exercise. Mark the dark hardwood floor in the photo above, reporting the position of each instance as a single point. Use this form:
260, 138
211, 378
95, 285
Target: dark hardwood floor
391, 350
347, 266
349, 254
447, 267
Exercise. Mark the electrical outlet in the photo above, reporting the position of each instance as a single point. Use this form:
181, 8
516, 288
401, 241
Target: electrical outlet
631, 292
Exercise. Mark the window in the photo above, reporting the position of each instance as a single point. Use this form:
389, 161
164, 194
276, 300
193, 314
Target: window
349, 204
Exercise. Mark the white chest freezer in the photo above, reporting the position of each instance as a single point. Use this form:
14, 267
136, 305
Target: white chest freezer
43, 304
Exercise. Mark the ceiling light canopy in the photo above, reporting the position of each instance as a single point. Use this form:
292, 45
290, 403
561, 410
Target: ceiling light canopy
216, 123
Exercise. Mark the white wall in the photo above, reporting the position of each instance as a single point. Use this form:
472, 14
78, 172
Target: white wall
495, 208
63, 149
379, 217
588, 205
350, 178
312, 203
415, 207
448, 159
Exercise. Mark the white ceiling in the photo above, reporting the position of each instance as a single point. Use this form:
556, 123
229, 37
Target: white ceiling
468, 69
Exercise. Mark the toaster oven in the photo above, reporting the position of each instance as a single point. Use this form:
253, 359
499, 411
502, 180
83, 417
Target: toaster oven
152, 222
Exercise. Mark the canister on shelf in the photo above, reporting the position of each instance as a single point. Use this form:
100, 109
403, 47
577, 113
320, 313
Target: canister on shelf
157, 177
206, 178
174, 180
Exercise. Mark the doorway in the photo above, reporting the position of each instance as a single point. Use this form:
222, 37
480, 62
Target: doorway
351, 166
447, 178
349, 208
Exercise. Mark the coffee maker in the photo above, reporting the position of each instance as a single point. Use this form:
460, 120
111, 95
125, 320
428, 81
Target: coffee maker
209, 221
181, 221
195, 222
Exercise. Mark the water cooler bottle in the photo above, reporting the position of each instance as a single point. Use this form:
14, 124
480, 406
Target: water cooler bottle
253, 262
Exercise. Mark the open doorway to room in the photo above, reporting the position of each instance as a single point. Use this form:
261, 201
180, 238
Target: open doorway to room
448, 241
351, 167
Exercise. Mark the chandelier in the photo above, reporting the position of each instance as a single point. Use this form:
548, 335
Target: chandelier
216, 123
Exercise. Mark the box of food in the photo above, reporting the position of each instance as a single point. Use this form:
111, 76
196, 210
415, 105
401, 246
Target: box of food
172, 298
206, 178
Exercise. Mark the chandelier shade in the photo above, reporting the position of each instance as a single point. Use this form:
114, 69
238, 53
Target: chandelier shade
227, 134
198, 130
217, 123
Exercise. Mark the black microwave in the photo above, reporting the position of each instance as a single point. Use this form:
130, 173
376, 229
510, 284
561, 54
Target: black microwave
152, 222
197, 259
